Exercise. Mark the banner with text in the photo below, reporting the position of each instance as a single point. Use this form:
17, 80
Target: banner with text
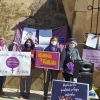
48, 60
92, 56
15, 63
63, 90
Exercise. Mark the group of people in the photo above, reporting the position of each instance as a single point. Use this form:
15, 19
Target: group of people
67, 56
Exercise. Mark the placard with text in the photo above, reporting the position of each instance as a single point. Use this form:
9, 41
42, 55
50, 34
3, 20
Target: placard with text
13, 63
63, 90
48, 60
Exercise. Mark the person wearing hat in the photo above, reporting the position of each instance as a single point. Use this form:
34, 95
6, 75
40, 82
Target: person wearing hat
68, 55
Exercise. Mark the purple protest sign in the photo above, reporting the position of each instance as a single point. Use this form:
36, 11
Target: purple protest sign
92, 56
48, 60
70, 66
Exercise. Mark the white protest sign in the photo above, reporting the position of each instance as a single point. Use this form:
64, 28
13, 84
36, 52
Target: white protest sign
15, 63
28, 33
44, 37
91, 40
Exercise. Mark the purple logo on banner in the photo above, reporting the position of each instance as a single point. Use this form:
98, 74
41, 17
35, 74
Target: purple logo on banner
12, 62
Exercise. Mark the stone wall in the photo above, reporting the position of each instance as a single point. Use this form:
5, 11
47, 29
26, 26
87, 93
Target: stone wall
79, 20
34, 13
93, 30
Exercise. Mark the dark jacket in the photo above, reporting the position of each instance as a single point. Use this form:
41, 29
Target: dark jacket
65, 58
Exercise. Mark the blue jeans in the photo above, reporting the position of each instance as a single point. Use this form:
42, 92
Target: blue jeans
2, 79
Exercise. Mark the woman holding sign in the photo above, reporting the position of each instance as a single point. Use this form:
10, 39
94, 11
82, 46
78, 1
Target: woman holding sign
29, 47
69, 54
50, 74
2, 48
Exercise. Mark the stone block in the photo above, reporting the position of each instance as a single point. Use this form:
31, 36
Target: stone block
96, 78
1, 33
5, 3
21, 12
81, 5
3, 27
23, 1
13, 20
12, 82
69, 7
1, 19
5, 11
79, 26
12, 27
80, 48
38, 73
37, 84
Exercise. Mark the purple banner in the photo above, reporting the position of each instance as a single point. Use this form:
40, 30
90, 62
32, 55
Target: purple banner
92, 56
18, 37
61, 33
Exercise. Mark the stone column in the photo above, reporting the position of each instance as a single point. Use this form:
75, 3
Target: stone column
79, 27
69, 7
79, 23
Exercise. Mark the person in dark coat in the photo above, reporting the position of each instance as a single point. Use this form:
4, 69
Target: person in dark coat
68, 55
29, 47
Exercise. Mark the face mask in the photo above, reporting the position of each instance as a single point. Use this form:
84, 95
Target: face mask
53, 42
28, 45
2, 42
71, 46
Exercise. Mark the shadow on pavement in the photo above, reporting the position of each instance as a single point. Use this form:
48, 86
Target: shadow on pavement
14, 96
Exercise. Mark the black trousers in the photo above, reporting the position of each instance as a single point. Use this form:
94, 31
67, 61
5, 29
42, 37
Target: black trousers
2, 79
49, 76
67, 76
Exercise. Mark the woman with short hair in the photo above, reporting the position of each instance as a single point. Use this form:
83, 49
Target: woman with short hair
68, 55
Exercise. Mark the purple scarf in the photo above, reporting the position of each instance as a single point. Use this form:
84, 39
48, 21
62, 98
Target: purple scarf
53, 48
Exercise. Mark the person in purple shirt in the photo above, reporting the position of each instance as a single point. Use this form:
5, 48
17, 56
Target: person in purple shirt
50, 74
